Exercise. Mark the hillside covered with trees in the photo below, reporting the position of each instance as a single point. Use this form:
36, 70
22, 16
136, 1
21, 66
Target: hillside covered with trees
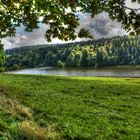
93, 53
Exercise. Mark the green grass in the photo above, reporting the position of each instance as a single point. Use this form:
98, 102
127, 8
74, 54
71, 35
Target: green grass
51, 107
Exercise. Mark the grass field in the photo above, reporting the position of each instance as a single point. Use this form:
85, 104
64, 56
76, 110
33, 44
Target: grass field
77, 108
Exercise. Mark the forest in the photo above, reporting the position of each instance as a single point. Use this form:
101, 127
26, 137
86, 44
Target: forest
92, 53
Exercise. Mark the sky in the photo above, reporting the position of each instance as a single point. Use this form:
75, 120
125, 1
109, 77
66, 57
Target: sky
101, 26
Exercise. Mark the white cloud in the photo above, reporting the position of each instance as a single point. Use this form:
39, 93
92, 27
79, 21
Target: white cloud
101, 26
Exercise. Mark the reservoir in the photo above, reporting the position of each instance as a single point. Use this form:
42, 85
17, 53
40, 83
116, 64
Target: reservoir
98, 72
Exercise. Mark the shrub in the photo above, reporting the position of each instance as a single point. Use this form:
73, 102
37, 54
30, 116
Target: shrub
60, 63
2, 69
14, 67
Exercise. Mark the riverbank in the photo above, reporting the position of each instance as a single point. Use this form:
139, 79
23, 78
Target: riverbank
55, 107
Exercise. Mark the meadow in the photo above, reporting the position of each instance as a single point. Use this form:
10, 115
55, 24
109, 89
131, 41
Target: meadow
70, 108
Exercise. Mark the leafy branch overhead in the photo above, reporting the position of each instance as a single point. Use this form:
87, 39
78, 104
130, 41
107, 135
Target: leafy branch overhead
61, 16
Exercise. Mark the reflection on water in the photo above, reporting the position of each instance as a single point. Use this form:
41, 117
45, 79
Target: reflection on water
108, 71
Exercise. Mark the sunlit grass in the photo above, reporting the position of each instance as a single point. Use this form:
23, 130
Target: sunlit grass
54, 107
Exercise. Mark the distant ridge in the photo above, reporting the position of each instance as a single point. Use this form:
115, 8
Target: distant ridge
81, 43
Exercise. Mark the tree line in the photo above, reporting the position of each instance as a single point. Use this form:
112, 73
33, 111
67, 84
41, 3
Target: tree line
92, 53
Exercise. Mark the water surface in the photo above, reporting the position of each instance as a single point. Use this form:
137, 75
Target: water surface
104, 72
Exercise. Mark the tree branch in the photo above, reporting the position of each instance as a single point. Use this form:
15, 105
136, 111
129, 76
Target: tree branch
137, 9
